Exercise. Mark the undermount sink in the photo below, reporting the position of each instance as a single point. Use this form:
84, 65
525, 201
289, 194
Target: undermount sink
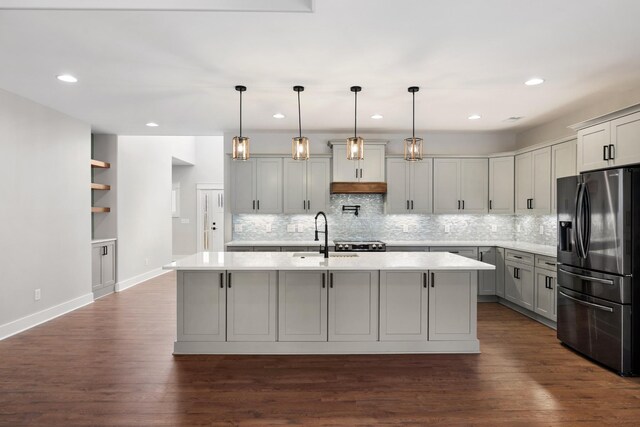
319, 255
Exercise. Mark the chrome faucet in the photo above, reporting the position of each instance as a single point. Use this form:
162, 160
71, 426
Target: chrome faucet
324, 250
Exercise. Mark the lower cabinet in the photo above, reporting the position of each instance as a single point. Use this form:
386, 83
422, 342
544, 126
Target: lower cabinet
353, 305
403, 305
204, 294
545, 293
302, 306
251, 305
103, 267
452, 305
487, 278
519, 284
500, 272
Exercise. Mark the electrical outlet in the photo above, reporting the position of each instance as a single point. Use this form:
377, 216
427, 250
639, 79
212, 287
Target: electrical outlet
291, 228
542, 229
518, 228
267, 228
238, 228
405, 228
36, 295
300, 228
494, 228
447, 228
146, 261
184, 220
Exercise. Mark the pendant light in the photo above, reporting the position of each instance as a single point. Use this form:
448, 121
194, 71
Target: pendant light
299, 144
413, 145
240, 148
355, 145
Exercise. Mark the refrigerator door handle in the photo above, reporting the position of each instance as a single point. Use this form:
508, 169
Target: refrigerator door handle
588, 304
589, 278
580, 222
587, 220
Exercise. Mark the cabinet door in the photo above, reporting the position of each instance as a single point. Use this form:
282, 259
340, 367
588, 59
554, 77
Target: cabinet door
500, 272
625, 138
403, 305
318, 182
353, 305
591, 145
512, 285
243, 186
269, 186
474, 185
372, 166
421, 186
302, 306
251, 306
398, 177
343, 170
446, 187
527, 279
452, 305
295, 186
96, 266
487, 278
541, 203
524, 183
563, 163
109, 264
201, 306
545, 290
501, 185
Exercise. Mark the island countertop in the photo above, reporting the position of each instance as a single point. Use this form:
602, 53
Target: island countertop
217, 261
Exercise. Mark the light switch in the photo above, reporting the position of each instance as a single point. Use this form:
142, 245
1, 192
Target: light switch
267, 228
291, 228
447, 228
494, 228
405, 228
542, 229
300, 228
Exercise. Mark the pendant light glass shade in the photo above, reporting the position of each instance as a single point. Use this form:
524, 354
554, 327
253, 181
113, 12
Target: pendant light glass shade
299, 144
355, 145
240, 144
413, 146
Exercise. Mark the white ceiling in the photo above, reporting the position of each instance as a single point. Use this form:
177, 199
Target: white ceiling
179, 68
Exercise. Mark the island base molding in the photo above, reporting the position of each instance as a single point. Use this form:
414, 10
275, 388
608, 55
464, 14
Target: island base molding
377, 347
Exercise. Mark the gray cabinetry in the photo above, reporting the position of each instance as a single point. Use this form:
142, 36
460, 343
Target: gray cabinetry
487, 278
370, 169
500, 272
251, 305
306, 185
533, 182
563, 163
460, 185
302, 306
519, 284
409, 186
403, 305
452, 305
103, 268
201, 306
465, 251
256, 185
501, 185
353, 305
545, 293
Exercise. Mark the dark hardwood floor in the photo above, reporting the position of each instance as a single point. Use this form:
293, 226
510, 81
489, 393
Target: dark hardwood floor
110, 363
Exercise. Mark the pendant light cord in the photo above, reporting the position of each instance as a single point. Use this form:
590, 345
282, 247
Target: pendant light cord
299, 119
240, 114
414, 116
355, 117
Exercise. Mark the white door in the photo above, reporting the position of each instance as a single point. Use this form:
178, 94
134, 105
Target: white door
343, 170
541, 203
318, 182
474, 185
295, 186
302, 306
210, 221
625, 140
446, 187
372, 165
524, 184
563, 163
403, 305
452, 305
397, 186
593, 143
251, 306
201, 306
421, 186
501, 185
353, 305
269, 185
243, 186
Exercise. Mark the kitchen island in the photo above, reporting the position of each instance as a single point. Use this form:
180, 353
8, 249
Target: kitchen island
349, 303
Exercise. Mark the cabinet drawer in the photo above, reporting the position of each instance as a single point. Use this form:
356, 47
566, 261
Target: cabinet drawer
548, 263
469, 252
519, 257
407, 249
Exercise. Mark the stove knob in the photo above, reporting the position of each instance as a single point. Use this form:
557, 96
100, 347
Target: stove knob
374, 246
340, 247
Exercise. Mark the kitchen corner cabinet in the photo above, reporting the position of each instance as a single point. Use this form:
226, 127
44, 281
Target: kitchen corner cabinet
409, 186
302, 306
103, 267
487, 278
500, 272
501, 184
545, 293
452, 305
306, 185
201, 306
353, 305
403, 305
251, 305
460, 185
563, 163
369, 169
533, 182
256, 185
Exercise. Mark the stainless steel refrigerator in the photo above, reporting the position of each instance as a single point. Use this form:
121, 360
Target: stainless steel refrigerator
599, 266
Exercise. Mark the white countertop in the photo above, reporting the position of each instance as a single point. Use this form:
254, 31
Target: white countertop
277, 243
110, 239
363, 261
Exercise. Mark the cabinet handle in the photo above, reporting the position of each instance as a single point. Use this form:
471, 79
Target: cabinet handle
550, 263
605, 154
356, 172
254, 205
517, 256
550, 282
412, 205
612, 152
221, 280
458, 204
229, 281
360, 172
304, 205
490, 204
324, 278
258, 203
463, 205
331, 280
481, 255
433, 280
407, 205
309, 204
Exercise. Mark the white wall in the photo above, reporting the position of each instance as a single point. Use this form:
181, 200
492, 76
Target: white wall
183, 150
45, 219
208, 169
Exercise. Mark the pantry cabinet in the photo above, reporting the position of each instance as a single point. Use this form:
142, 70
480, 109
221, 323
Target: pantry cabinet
533, 182
460, 185
409, 186
256, 185
501, 184
306, 185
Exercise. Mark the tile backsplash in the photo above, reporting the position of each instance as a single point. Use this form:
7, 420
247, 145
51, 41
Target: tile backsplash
373, 224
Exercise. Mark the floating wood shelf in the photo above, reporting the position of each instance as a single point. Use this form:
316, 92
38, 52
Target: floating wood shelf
100, 164
358, 188
95, 209
96, 186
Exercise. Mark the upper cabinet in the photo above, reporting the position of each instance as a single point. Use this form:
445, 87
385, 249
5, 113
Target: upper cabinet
533, 182
409, 186
460, 185
563, 163
256, 185
370, 169
609, 144
306, 185
501, 185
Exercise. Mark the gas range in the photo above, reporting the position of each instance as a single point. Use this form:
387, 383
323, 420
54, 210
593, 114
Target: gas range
360, 246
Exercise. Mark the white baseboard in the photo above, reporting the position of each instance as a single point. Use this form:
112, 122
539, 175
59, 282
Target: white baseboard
35, 319
136, 280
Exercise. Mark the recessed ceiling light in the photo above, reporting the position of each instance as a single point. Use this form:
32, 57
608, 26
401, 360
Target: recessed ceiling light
475, 117
534, 81
376, 116
152, 125
278, 116
67, 78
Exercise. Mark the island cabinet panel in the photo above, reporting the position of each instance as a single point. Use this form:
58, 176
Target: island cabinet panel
251, 305
353, 305
452, 305
302, 306
403, 305
201, 306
